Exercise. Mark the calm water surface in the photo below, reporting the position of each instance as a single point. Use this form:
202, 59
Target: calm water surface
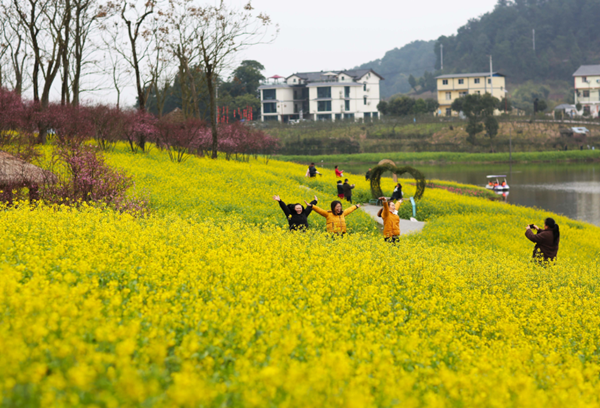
570, 189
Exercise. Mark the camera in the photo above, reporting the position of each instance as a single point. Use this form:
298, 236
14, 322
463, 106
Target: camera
531, 226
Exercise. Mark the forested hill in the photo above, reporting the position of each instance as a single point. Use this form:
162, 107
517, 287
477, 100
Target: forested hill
396, 66
566, 36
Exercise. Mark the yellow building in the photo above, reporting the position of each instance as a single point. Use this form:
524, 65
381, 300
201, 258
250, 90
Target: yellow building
453, 86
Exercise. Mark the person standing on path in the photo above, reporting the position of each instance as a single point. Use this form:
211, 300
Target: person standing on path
348, 191
397, 194
296, 215
339, 173
340, 189
336, 218
391, 221
546, 240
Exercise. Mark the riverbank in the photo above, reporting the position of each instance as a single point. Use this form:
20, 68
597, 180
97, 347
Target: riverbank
451, 157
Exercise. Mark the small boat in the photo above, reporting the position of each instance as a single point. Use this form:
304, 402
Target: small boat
495, 184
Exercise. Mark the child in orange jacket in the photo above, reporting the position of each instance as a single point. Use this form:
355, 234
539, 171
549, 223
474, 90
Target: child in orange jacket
391, 221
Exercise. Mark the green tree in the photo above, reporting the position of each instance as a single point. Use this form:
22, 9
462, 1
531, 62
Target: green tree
476, 108
383, 107
401, 106
412, 82
245, 79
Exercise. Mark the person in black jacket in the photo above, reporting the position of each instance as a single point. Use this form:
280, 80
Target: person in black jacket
340, 189
348, 190
296, 214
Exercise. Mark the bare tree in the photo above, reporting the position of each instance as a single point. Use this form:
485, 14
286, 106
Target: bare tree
44, 21
134, 19
223, 32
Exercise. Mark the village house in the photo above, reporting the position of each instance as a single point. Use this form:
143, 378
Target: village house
326, 95
453, 86
587, 89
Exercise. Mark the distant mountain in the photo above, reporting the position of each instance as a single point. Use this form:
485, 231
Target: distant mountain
396, 66
566, 36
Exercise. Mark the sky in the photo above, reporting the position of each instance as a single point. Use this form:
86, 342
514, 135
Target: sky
320, 35
317, 35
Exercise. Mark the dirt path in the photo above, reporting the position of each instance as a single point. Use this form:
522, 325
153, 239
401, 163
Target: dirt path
406, 226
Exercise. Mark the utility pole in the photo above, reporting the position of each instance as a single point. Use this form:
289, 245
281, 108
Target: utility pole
442, 56
533, 38
491, 78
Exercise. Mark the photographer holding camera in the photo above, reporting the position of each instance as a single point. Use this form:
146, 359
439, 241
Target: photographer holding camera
546, 240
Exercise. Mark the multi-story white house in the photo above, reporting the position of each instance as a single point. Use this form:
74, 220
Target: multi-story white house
587, 88
325, 95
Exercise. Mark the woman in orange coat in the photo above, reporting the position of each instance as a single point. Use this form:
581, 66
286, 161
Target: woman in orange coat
391, 221
336, 218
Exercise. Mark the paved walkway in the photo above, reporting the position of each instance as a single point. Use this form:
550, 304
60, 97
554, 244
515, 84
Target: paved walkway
406, 226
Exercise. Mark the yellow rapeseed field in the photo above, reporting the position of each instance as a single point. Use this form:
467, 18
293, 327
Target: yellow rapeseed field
211, 302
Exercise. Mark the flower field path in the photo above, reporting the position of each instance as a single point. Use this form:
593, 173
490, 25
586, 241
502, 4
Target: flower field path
406, 226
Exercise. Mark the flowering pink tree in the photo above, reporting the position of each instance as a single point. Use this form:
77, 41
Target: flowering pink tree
178, 138
139, 129
108, 125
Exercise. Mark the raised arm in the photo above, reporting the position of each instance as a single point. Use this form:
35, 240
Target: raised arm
284, 207
309, 206
531, 236
319, 211
386, 208
350, 210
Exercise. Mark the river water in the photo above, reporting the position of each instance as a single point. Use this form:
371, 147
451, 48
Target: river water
570, 189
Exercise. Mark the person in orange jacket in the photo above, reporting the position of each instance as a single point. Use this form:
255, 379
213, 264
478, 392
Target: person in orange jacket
391, 221
336, 218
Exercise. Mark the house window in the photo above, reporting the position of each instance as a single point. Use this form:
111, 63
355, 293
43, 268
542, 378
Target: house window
461, 81
295, 95
294, 80
375, 115
584, 79
270, 118
346, 92
367, 115
448, 111
324, 106
348, 115
476, 80
448, 96
295, 108
461, 94
489, 80
269, 108
365, 87
347, 105
586, 110
365, 100
444, 82
324, 117
342, 80
324, 92
586, 94
338, 116
269, 94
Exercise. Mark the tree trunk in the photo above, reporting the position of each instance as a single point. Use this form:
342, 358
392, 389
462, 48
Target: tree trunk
213, 111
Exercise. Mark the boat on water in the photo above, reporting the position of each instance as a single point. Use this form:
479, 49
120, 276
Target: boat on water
495, 184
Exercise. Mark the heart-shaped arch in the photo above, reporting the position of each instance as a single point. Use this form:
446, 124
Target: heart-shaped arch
378, 170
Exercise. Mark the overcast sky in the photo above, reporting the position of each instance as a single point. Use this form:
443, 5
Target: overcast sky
317, 35
332, 34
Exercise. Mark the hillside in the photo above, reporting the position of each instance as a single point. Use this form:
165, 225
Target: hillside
565, 37
398, 64
210, 301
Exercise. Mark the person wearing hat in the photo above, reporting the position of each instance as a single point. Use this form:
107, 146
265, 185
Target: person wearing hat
348, 191
296, 215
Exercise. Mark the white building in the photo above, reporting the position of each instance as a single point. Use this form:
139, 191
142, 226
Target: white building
330, 95
587, 88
